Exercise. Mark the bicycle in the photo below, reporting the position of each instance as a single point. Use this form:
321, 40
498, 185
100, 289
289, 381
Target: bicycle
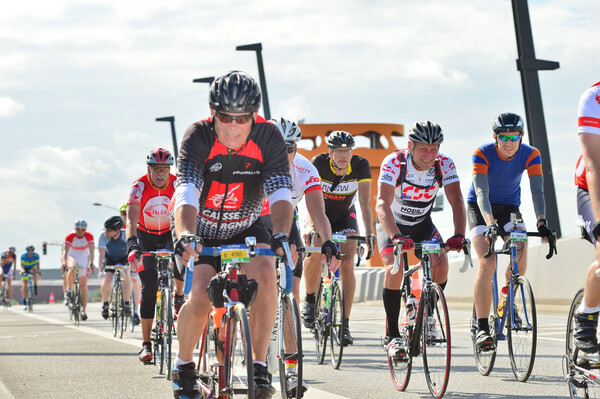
519, 314
27, 276
580, 369
164, 329
4, 298
225, 360
425, 330
117, 303
75, 305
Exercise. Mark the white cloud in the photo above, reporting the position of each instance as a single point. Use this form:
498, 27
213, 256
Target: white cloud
9, 107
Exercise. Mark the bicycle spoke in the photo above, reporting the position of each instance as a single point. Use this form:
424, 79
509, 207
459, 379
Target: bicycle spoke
321, 328
290, 354
522, 329
239, 373
338, 323
400, 368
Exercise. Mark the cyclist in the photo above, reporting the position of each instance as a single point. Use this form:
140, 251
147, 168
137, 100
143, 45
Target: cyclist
305, 183
586, 318
148, 229
30, 264
135, 278
9, 267
227, 164
78, 250
409, 181
494, 194
112, 250
342, 176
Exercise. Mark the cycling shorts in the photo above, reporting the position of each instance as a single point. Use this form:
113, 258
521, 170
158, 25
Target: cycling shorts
586, 214
501, 213
80, 261
294, 238
8, 273
424, 231
258, 230
345, 224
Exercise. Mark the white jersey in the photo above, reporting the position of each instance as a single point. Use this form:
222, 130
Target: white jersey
589, 111
415, 192
305, 178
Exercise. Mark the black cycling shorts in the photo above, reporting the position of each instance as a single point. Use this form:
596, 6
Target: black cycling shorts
294, 238
501, 213
345, 224
424, 231
586, 214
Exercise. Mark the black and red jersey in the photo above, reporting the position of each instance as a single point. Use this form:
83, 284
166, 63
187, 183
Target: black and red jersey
232, 183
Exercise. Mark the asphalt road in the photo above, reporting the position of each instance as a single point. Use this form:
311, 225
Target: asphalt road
42, 355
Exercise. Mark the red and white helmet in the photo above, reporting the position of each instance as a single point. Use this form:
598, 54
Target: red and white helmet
159, 156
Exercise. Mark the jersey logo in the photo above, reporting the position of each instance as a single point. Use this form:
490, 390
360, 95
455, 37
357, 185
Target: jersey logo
247, 164
598, 99
136, 193
313, 179
216, 167
415, 193
232, 198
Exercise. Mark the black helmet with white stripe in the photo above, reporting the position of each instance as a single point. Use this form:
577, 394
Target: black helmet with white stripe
426, 132
508, 122
340, 139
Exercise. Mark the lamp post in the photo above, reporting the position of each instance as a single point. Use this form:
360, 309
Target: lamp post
208, 80
171, 119
106, 206
261, 72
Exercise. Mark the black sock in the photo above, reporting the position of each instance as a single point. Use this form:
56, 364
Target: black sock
149, 344
391, 304
310, 298
443, 285
483, 324
35, 289
105, 303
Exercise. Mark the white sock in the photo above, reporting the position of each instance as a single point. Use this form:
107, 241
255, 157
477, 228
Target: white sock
261, 363
178, 362
583, 308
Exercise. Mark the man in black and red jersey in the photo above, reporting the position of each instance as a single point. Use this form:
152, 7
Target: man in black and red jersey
148, 229
227, 164
342, 176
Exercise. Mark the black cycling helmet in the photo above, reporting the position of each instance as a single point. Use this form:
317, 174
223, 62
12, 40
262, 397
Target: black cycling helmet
234, 92
30, 248
340, 139
114, 223
508, 122
426, 132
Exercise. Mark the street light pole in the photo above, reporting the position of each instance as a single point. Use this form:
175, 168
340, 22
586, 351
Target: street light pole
106, 206
171, 119
261, 72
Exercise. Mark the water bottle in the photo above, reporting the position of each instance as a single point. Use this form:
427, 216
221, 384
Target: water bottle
411, 309
327, 290
158, 296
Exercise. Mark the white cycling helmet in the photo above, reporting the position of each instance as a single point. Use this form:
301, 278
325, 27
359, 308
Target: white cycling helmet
80, 224
289, 130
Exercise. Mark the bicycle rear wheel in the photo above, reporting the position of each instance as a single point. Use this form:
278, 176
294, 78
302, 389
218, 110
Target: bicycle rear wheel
400, 368
159, 341
30, 296
291, 351
76, 305
321, 329
338, 323
239, 368
114, 309
484, 359
121, 314
168, 334
570, 342
437, 341
522, 329
581, 386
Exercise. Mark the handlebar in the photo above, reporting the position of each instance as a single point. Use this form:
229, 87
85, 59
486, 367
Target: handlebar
551, 242
419, 245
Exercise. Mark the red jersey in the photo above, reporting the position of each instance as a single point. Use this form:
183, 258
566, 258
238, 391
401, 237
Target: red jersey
79, 246
153, 202
580, 171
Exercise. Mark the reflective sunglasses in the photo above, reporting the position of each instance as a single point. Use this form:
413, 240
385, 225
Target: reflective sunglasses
240, 119
291, 147
506, 138
78, 229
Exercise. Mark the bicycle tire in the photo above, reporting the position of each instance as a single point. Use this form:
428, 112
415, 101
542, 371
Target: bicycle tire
437, 341
133, 307
400, 369
76, 304
484, 359
239, 367
338, 324
321, 330
522, 334
570, 342
168, 335
30, 296
207, 361
160, 332
291, 350
581, 386
121, 314
113, 308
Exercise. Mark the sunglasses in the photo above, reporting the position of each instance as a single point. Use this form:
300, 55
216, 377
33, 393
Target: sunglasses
506, 138
291, 147
240, 119
81, 229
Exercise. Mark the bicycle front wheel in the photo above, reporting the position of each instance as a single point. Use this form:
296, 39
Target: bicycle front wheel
290, 354
76, 305
338, 323
239, 371
121, 313
400, 368
321, 328
522, 329
168, 334
484, 359
436, 341
114, 310
160, 335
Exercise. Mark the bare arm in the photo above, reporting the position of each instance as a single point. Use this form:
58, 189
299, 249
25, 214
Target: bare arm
64, 254
385, 197
101, 256
282, 213
590, 144
459, 215
91, 248
364, 199
133, 217
316, 211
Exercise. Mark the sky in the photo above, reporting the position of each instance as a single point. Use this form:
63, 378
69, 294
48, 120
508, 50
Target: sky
82, 82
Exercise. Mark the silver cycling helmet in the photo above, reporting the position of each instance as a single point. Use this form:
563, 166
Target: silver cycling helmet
80, 224
289, 130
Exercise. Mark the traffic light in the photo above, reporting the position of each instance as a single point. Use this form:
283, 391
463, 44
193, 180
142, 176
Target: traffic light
44, 249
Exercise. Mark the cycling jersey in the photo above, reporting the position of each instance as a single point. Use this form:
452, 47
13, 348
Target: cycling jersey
589, 111
580, 174
415, 193
504, 174
228, 186
305, 178
115, 248
27, 262
339, 192
153, 202
79, 246
9, 260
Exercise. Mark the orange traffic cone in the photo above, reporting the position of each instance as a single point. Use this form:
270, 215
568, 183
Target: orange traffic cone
52, 297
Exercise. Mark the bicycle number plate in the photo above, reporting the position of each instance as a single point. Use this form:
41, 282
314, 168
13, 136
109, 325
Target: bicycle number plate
337, 237
517, 235
430, 247
235, 253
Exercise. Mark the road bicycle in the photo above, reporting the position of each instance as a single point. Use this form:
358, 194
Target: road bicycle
117, 303
75, 304
4, 298
225, 361
164, 328
518, 314
581, 370
27, 276
426, 329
